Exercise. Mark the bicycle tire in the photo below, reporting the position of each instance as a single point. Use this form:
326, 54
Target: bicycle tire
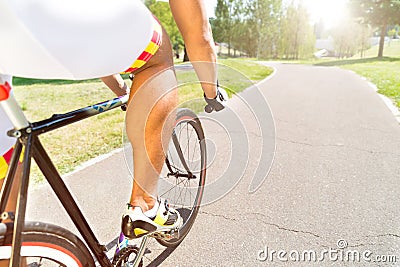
186, 119
49, 243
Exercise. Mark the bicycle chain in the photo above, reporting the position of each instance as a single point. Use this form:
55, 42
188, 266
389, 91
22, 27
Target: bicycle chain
124, 255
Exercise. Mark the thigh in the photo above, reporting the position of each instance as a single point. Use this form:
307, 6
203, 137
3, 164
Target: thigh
161, 61
158, 53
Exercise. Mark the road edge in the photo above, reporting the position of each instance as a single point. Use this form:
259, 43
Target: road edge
386, 100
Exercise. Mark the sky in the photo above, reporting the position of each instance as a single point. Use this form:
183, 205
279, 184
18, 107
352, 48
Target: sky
210, 7
330, 11
210, 4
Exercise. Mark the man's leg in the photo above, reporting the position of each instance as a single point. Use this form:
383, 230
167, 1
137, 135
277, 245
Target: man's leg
149, 122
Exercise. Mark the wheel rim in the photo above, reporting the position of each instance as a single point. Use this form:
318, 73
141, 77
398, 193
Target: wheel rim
183, 191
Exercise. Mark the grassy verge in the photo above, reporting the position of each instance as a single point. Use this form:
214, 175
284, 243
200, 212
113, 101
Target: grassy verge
71, 146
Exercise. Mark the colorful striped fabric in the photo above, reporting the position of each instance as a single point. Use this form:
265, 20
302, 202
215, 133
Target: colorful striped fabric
150, 50
4, 161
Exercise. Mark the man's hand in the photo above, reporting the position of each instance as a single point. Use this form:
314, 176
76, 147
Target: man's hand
218, 103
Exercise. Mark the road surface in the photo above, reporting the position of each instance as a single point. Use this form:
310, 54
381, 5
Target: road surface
334, 182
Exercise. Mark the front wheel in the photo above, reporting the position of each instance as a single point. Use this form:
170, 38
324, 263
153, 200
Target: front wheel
47, 245
184, 173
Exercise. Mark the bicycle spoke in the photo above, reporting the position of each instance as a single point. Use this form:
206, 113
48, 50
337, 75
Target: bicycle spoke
185, 175
173, 187
193, 155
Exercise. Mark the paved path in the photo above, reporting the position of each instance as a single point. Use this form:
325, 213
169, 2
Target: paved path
335, 177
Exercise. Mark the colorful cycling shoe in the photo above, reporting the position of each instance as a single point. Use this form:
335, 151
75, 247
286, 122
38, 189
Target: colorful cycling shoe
165, 224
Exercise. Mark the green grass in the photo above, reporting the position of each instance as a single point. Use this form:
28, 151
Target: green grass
250, 69
391, 49
71, 146
234, 75
77, 143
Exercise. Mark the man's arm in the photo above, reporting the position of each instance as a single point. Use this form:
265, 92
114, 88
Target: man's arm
192, 21
116, 84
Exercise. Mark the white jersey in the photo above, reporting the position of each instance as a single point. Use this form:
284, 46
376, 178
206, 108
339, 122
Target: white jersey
72, 39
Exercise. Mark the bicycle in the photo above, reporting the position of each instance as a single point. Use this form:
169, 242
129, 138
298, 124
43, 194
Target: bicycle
40, 244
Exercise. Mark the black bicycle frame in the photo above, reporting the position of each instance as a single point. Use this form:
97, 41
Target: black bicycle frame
28, 138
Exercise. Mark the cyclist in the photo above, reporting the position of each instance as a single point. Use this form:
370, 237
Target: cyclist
86, 39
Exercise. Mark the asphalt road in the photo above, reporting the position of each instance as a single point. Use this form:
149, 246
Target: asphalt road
333, 188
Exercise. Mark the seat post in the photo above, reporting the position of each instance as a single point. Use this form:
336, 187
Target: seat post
11, 108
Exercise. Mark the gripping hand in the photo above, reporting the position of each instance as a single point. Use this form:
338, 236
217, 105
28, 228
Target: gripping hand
218, 103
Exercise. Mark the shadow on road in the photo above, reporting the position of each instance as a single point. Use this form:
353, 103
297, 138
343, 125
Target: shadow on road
162, 257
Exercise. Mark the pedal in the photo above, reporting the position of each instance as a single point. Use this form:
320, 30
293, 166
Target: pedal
167, 236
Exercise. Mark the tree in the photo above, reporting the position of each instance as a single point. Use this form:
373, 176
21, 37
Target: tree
249, 30
162, 11
249, 36
262, 28
224, 22
219, 24
392, 31
365, 33
346, 38
297, 35
239, 39
378, 13
264, 18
